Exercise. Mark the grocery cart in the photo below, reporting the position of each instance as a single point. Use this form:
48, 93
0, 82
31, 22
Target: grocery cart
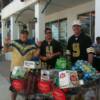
88, 90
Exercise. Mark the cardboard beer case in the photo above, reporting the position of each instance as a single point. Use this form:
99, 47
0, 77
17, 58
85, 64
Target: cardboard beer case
68, 79
18, 72
47, 75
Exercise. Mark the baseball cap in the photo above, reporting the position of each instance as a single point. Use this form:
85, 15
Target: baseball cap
76, 22
24, 32
48, 29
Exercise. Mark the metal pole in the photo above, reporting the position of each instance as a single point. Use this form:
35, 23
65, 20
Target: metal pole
47, 4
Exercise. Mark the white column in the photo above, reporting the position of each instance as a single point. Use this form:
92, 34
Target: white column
18, 30
13, 28
40, 24
3, 31
97, 18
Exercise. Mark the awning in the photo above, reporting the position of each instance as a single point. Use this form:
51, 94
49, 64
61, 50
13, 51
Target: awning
15, 7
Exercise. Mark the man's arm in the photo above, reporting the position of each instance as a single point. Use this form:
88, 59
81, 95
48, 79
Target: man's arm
7, 47
42, 52
46, 58
90, 50
42, 56
36, 52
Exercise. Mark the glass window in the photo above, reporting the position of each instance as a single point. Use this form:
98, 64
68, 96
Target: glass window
55, 30
59, 30
63, 30
88, 23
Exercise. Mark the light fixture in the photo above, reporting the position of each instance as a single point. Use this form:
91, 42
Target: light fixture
35, 19
22, 0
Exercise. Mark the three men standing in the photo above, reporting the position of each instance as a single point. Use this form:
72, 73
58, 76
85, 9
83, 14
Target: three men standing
79, 46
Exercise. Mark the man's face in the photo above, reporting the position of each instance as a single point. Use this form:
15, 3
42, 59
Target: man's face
48, 35
77, 29
24, 37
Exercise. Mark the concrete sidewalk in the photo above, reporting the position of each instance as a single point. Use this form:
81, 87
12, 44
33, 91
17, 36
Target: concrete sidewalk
4, 81
4, 77
5, 68
4, 89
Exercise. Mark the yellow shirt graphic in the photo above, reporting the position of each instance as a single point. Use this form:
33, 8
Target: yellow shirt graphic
22, 52
76, 50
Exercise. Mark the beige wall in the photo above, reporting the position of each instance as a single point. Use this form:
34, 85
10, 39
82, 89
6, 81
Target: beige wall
71, 14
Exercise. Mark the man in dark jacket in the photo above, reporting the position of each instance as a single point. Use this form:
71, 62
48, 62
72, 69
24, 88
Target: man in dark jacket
79, 44
50, 50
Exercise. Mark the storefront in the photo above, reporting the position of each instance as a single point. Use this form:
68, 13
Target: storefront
55, 14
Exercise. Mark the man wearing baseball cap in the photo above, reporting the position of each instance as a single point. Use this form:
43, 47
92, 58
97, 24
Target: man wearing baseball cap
79, 44
22, 50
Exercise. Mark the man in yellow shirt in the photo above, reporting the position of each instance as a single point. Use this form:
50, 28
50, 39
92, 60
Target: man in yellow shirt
22, 50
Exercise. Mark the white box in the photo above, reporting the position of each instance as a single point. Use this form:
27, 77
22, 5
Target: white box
45, 75
68, 79
64, 79
30, 64
48, 74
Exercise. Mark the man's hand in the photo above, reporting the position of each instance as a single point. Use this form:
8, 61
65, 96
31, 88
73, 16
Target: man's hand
7, 47
7, 41
38, 43
44, 58
50, 56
